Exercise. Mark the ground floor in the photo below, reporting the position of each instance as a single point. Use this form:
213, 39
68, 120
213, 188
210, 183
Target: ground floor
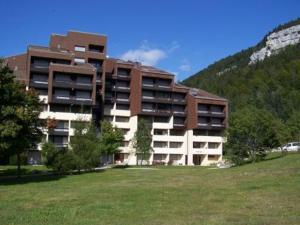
35, 158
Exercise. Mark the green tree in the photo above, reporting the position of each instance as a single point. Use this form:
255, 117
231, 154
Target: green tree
142, 141
19, 116
59, 159
293, 124
85, 146
251, 132
111, 138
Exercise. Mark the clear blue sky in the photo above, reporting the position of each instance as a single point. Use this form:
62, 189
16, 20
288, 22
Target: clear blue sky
179, 36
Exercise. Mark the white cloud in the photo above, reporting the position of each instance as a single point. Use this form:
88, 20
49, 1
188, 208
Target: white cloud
185, 66
174, 45
148, 57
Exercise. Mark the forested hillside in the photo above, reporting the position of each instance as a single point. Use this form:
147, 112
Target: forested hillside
272, 84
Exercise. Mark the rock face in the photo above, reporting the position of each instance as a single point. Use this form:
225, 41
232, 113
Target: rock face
276, 41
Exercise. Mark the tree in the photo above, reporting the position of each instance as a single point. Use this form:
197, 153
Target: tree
293, 123
111, 138
58, 159
142, 140
251, 132
19, 116
85, 146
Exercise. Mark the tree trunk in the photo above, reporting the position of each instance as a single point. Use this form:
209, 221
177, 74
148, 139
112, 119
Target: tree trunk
18, 165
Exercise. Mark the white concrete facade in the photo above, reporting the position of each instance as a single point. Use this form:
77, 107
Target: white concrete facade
168, 149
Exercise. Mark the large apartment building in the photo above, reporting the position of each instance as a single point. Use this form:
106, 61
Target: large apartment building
77, 82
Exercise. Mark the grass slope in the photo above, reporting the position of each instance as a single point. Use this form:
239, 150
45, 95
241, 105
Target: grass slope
262, 193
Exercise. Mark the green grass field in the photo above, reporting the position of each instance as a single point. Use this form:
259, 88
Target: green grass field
261, 193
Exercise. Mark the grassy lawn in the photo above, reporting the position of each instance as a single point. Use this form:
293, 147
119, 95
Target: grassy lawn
262, 193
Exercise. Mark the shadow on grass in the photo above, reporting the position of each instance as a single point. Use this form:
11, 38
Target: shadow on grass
275, 156
13, 180
37, 176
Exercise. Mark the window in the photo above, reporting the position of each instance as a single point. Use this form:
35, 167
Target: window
40, 62
217, 109
148, 107
203, 108
203, 120
122, 96
175, 144
81, 109
178, 96
216, 121
79, 49
62, 77
96, 48
41, 91
39, 78
174, 132
125, 143
96, 63
59, 108
63, 125
198, 144
45, 107
159, 157
123, 72
160, 132
108, 118
215, 133
147, 81
79, 60
164, 82
61, 93
161, 119
213, 157
148, 94
164, 95
197, 132
122, 119
179, 120
75, 124
160, 144
122, 107
83, 95
84, 80
125, 131
178, 108
213, 145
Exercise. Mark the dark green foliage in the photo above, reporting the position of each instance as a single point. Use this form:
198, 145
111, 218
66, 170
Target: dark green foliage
19, 116
85, 146
111, 138
293, 124
251, 133
142, 140
59, 159
272, 85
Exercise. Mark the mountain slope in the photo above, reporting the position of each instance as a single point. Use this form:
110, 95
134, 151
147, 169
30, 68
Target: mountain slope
272, 83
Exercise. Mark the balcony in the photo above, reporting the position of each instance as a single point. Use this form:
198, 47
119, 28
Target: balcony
41, 68
59, 131
122, 100
156, 112
211, 114
210, 126
179, 101
60, 144
71, 100
72, 84
38, 84
148, 86
179, 113
121, 88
